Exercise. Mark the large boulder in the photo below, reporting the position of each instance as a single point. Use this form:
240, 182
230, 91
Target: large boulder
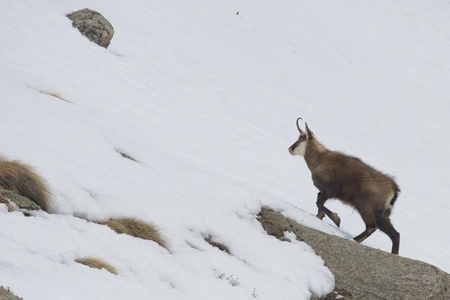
362, 272
93, 25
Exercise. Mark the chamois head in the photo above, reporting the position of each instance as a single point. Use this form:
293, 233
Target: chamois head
299, 147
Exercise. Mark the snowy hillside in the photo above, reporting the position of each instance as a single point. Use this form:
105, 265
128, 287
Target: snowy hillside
205, 100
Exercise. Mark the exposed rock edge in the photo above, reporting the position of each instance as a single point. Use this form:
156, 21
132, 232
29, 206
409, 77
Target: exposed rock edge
364, 272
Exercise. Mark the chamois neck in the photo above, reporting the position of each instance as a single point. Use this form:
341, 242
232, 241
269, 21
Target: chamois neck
313, 153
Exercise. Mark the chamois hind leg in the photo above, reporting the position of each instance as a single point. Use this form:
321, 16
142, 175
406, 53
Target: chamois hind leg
384, 224
371, 227
322, 210
366, 233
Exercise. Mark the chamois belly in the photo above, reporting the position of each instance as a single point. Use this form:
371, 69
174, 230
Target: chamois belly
362, 198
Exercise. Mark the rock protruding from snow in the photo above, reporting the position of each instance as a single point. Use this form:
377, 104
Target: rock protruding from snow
22, 202
93, 25
6, 294
364, 272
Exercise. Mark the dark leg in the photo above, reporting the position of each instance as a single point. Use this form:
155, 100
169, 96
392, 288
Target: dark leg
321, 198
371, 226
366, 233
320, 214
385, 225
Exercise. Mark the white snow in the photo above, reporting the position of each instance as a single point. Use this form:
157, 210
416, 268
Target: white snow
205, 100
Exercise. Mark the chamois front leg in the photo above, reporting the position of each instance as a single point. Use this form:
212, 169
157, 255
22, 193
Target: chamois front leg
322, 210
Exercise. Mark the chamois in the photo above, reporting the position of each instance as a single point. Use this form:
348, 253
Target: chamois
351, 181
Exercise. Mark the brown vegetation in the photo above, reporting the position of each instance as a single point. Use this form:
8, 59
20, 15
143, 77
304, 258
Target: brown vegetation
220, 246
136, 228
96, 263
21, 179
53, 94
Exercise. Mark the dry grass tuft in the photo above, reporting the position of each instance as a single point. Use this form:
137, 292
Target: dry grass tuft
220, 246
21, 179
136, 228
53, 94
96, 263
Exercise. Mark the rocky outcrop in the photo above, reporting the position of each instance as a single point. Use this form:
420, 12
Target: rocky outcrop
93, 25
362, 272
6, 294
20, 201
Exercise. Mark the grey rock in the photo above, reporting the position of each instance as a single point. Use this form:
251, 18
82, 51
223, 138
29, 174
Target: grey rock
362, 272
93, 25
21, 201
6, 294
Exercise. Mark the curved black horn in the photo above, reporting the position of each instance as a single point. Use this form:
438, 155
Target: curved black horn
298, 127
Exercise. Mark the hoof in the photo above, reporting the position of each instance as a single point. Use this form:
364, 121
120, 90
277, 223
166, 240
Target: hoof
356, 239
335, 218
320, 215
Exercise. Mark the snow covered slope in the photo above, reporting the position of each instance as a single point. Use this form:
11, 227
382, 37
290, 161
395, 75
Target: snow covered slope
205, 100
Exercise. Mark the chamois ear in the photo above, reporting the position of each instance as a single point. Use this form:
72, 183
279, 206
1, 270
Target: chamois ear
309, 133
